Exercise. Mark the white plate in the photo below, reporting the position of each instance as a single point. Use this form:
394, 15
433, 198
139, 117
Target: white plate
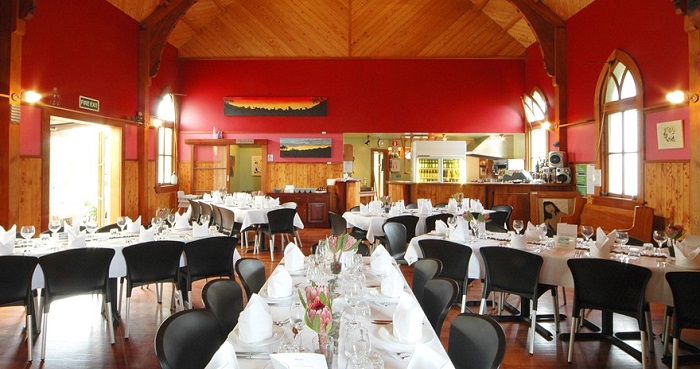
385, 334
435, 233
375, 294
277, 333
263, 293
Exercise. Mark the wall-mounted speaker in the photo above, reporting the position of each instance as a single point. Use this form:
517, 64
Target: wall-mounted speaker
563, 175
557, 159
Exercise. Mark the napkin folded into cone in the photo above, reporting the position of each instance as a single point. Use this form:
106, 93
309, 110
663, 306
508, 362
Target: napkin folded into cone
7, 240
408, 320
687, 252
603, 244
255, 322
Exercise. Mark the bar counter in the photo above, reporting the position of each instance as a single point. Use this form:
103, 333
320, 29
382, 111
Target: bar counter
490, 193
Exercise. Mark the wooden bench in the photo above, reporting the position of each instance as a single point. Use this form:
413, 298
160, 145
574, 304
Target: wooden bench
611, 214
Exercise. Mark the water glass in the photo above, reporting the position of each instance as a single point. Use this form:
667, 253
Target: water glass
356, 341
518, 225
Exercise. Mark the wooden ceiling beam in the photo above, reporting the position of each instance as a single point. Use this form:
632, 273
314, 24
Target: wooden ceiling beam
546, 25
689, 8
159, 25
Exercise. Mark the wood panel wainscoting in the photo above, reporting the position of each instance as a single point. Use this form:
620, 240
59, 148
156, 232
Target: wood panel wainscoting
301, 175
667, 191
29, 192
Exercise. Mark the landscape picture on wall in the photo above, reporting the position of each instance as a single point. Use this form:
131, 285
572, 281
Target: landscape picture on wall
275, 106
305, 147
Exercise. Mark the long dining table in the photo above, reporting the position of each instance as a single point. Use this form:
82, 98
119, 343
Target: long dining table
252, 356
372, 223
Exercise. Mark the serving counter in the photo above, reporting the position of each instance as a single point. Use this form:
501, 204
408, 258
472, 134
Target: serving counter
490, 193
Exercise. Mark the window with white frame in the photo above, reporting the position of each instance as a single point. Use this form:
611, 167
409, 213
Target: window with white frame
165, 159
621, 130
536, 114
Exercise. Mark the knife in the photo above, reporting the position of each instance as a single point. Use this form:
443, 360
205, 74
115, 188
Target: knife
253, 355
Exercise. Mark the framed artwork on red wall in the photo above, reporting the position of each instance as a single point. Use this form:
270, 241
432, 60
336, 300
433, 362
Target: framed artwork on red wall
304, 106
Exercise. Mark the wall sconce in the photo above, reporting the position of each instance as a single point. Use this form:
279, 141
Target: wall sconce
546, 125
156, 122
28, 96
678, 96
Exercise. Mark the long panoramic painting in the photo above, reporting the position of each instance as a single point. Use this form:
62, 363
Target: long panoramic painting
305, 147
275, 106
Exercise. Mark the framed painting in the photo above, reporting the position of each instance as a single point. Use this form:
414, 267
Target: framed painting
549, 206
669, 135
305, 106
305, 147
256, 166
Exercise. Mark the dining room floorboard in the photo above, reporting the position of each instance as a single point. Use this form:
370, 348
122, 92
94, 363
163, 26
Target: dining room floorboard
77, 335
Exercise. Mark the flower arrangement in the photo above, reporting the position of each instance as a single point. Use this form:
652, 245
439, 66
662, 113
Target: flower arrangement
675, 231
162, 213
318, 308
341, 243
386, 200
468, 216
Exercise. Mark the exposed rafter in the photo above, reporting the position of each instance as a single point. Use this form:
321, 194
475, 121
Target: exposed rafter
159, 25
690, 8
546, 25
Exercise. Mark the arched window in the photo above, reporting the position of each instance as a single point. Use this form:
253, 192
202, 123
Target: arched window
165, 144
536, 114
620, 130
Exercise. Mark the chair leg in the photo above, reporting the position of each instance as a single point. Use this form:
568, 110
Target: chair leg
464, 302
674, 355
666, 330
121, 293
555, 298
563, 294
44, 324
30, 338
482, 307
159, 292
643, 340
272, 248
298, 239
501, 299
650, 331
110, 325
572, 335
126, 318
533, 323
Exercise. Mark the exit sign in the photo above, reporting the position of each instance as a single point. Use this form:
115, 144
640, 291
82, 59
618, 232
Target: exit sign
89, 103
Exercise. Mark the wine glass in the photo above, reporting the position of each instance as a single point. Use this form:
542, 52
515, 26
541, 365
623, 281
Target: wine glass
518, 225
542, 231
660, 238
204, 219
587, 232
91, 227
171, 219
27, 232
353, 293
296, 316
622, 238
121, 223
357, 341
54, 225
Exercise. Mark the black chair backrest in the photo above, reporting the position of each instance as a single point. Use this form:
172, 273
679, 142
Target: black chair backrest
362, 249
224, 298
188, 339
423, 271
511, 270
476, 342
228, 220
210, 257
508, 210
686, 300
412, 205
609, 285
106, 228
454, 257
75, 271
216, 217
16, 273
355, 208
395, 234
409, 221
281, 220
153, 261
438, 296
251, 271
196, 210
430, 221
206, 209
338, 224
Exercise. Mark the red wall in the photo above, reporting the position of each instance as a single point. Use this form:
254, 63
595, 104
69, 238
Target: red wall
363, 95
650, 32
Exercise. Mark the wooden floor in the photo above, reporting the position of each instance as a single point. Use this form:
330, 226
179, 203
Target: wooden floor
77, 336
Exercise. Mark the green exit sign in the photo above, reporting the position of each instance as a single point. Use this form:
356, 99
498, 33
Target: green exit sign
88, 103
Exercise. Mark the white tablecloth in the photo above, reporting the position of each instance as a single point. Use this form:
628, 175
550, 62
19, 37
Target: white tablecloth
373, 223
555, 270
379, 343
251, 216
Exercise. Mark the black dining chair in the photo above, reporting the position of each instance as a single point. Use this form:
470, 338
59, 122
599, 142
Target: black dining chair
338, 224
188, 339
75, 272
686, 307
455, 262
430, 220
476, 342
16, 290
216, 216
196, 210
395, 239
516, 272
423, 271
280, 222
224, 298
251, 271
206, 211
151, 262
611, 287
206, 258
228, 220
408, 221
107, 228
438, 296
502, 217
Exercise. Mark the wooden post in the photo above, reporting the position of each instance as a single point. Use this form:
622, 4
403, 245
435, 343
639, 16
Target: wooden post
694, 108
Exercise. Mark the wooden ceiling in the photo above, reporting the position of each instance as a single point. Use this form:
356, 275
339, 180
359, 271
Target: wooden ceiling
231, 29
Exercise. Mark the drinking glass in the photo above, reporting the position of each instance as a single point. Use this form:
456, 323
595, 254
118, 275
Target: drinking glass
518, 225
171, 219
660, 238
296, 316
359, 362
204, 219
357, 341
587, 232
542, 231
121, 223
54, 225
621, 240
353, 292
91, 227
27, 232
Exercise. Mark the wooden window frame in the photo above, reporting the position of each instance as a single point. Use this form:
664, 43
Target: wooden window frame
167, 187
534, 124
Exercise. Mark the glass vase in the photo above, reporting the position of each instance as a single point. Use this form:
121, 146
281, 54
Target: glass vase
325, 345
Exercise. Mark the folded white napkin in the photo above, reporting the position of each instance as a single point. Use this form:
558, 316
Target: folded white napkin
75, 228
408, 320
364, 209
182, 222
133, 226
425, 209
425, 357
293, 258
224, 358
199, 230
146, 235
452, 206
302, 360
531, 233
440, 227
375, 207
465, 204
259, 201
687, 252
380, 260
478, 207
518, 241
395, 211
392, 283
229, 200
255, 322
472, 203
206, 197
271, 203
76, 239
279, 284
7, 240
401, 205
217, 199
603, 244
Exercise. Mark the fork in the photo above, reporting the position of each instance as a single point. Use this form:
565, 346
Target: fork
281, 323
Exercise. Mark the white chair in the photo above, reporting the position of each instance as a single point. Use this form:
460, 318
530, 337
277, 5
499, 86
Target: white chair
182, 202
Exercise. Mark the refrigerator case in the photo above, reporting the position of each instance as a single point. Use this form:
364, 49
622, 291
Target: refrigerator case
439, 161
